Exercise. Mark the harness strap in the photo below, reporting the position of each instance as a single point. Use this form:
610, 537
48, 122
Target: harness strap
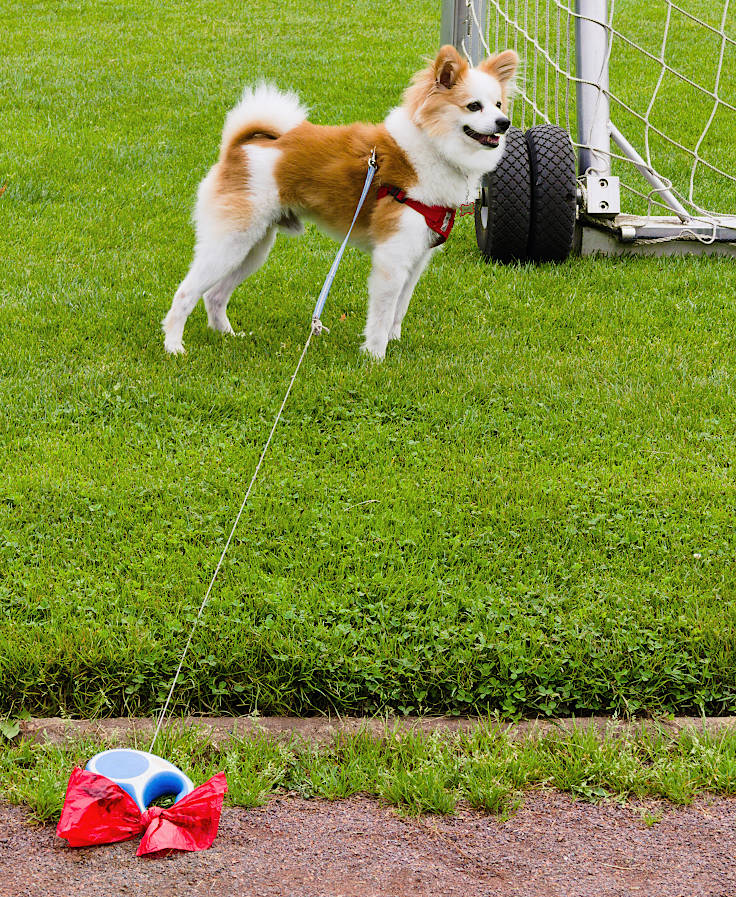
440, 219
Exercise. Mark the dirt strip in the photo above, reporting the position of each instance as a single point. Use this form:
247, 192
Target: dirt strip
323, 729
554, 846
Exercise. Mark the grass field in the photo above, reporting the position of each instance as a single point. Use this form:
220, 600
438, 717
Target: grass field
528, 508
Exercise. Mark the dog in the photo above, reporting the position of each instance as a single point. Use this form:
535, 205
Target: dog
275, 168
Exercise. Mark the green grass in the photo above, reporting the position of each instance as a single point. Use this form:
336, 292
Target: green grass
487, 770
527, 508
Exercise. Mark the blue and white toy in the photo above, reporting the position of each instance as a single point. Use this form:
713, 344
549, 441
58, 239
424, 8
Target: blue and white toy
144, 776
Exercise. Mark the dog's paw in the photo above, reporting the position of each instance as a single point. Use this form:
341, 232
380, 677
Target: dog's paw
394, 333
375, 353
222, 326
174, 348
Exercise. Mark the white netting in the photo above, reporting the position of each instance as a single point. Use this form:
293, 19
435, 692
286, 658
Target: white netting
672, 91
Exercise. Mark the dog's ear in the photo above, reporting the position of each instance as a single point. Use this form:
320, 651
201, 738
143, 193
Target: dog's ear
502, 66
448, 66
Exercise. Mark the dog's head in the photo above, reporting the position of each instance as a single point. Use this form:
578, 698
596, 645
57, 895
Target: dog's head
464, 109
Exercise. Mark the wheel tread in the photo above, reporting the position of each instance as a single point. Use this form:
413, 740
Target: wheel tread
552, 167
506, 195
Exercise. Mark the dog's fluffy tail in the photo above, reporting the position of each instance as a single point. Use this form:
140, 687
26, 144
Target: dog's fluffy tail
263, 111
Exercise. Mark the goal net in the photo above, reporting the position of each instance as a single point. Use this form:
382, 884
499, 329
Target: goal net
647, 92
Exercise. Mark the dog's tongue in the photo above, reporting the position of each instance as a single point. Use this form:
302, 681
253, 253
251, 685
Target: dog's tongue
490, 140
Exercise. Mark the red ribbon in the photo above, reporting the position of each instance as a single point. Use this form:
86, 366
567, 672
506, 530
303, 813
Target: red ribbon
98, 811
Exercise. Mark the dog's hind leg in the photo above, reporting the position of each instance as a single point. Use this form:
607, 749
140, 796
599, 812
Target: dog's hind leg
232, 222
218, 296
214, 259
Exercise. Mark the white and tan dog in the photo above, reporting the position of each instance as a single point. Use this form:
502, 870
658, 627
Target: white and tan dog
276, 168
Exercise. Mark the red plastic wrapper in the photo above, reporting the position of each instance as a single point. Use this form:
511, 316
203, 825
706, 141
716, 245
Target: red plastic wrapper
97, 811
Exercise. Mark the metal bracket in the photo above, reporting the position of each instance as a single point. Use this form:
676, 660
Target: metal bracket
601, 195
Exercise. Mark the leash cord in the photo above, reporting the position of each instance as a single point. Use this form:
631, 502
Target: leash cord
316, 328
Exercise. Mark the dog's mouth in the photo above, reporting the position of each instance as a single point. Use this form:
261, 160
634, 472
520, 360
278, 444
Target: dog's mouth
490, 140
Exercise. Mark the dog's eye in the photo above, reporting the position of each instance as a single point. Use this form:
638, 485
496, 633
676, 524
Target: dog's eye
499, 104
475, 106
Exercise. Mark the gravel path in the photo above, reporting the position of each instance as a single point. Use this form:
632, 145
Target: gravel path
554, 845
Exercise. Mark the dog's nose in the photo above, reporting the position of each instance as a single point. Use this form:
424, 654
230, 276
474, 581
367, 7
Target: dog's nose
502, 125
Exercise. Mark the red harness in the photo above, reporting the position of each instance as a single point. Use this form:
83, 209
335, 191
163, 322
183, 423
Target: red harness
439, 218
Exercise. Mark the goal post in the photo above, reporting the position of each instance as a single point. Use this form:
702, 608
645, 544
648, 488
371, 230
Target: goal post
647, 93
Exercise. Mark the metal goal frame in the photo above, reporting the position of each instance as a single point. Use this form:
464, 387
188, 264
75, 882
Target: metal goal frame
601, 226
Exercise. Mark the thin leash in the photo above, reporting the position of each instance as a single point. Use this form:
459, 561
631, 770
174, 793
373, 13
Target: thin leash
315, 330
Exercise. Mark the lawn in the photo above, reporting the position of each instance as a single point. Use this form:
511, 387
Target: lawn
527, 508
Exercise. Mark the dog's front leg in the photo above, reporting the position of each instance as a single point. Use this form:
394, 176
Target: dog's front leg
384, 288
405, 296
395, 263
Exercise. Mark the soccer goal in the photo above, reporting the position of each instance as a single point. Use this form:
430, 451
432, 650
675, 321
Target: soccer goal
642, 96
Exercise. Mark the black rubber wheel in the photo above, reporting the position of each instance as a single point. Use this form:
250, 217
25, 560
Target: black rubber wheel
503, 209
554, 189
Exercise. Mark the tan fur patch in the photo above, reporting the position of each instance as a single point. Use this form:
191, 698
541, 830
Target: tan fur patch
231, 186
251, 132
426, 98
231, 172
501, 66
321, 172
